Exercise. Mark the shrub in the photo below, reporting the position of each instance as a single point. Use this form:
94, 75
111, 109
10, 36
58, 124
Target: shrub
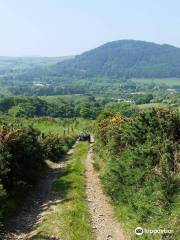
21, 159
2, 200
22, 153
142, 163
54, 146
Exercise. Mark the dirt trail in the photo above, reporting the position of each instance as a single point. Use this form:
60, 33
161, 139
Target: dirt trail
104, 223
23, 226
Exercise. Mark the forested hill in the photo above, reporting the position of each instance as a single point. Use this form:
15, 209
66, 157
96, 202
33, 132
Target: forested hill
124, 59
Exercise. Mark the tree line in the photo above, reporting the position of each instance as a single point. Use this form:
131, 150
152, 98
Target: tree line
37, 107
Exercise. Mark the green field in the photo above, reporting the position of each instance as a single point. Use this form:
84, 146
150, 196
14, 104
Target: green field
156, 105
159, 81
152, 105
61, 126
56, 126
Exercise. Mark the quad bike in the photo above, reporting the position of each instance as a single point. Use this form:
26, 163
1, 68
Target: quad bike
84, 136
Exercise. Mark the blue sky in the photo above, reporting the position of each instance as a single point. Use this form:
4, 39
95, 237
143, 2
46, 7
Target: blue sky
68, 27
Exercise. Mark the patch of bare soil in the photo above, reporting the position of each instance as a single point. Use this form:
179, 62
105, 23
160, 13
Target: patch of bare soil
104, 222
23, 225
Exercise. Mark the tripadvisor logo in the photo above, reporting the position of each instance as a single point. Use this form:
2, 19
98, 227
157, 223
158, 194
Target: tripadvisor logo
139, 231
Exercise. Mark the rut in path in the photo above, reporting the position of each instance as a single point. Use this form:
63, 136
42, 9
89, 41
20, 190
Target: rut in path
104, 223
23, 226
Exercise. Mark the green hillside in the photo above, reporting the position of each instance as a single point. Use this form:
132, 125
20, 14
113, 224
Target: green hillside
124, 59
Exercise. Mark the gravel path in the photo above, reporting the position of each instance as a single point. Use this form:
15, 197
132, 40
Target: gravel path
23, 225
104, 223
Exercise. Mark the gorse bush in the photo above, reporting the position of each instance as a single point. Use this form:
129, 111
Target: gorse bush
20, 161
23, 152
2, 200
142, 164
54, 146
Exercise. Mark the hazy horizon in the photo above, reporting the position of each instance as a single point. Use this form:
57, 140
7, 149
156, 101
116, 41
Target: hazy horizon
55, 28
41, 56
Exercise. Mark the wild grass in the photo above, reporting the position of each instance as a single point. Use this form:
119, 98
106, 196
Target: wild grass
69, 218
62, 126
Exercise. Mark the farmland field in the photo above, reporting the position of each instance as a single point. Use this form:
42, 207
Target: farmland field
152, 105
61, 127
159, 81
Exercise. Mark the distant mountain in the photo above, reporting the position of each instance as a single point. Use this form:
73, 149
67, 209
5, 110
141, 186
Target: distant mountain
124, 59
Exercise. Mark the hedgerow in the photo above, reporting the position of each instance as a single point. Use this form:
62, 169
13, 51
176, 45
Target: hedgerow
23, 152
142, 156
54, 146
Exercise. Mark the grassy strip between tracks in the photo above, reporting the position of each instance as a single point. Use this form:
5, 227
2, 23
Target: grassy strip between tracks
68, 216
